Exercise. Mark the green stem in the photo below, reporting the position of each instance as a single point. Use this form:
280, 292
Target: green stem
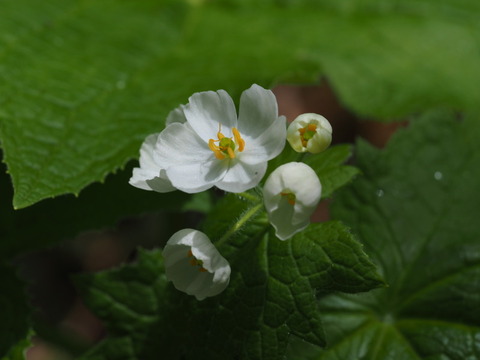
239, 223
248, 196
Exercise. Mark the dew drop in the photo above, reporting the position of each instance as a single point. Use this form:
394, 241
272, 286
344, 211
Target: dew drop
379, 192
438, 175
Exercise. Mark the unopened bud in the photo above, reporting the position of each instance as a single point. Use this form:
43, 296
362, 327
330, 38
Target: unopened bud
309, 132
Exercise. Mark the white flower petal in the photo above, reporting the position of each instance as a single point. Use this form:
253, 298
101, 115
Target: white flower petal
176, 115
258, 111
320, 141
180, 144
293, 137
268, 145
150, 175
190, 164
299, 180
241, 176
207, 110
160, 183
194, 265
281, 219
196, 177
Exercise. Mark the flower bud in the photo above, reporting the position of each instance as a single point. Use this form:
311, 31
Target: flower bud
291, 194
309, 132
194, 264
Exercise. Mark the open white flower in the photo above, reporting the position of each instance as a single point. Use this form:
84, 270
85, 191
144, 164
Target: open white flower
204, 143
309, 132
194, 264
291, 194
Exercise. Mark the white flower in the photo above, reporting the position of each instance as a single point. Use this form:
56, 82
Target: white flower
194, 264
204, 144
309, 132
291, 194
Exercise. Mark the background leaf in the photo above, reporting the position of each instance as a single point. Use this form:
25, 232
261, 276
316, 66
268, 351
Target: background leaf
415, 210
15, 314
99, 206
82, 83
18, 351
330, 168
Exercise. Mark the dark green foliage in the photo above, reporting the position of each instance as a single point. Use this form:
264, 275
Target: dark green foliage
415, 210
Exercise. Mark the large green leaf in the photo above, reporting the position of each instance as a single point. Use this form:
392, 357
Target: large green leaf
271, 295
83, 82
415, 210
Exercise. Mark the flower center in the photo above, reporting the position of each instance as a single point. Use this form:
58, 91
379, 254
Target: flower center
226, 146
307, 133
290, 196
195, 262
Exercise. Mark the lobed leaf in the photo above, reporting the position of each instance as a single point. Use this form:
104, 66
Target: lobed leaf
271, 296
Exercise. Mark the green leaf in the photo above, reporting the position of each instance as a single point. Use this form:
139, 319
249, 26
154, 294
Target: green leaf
330, 169
271, 295
15, 322
83, 83
415, 210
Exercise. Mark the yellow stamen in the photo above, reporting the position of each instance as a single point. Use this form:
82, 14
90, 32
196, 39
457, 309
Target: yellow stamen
195, 262
312, 127
230, 153
226, 146
307, 133
291, 198
216, 149
238, 140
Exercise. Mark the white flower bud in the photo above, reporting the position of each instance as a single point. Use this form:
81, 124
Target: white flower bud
194, 264
291, 194
309, 132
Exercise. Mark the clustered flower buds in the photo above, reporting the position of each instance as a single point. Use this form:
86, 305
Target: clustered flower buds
205, 144
309, 133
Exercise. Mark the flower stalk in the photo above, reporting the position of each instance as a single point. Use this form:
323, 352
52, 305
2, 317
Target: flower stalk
246, 216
